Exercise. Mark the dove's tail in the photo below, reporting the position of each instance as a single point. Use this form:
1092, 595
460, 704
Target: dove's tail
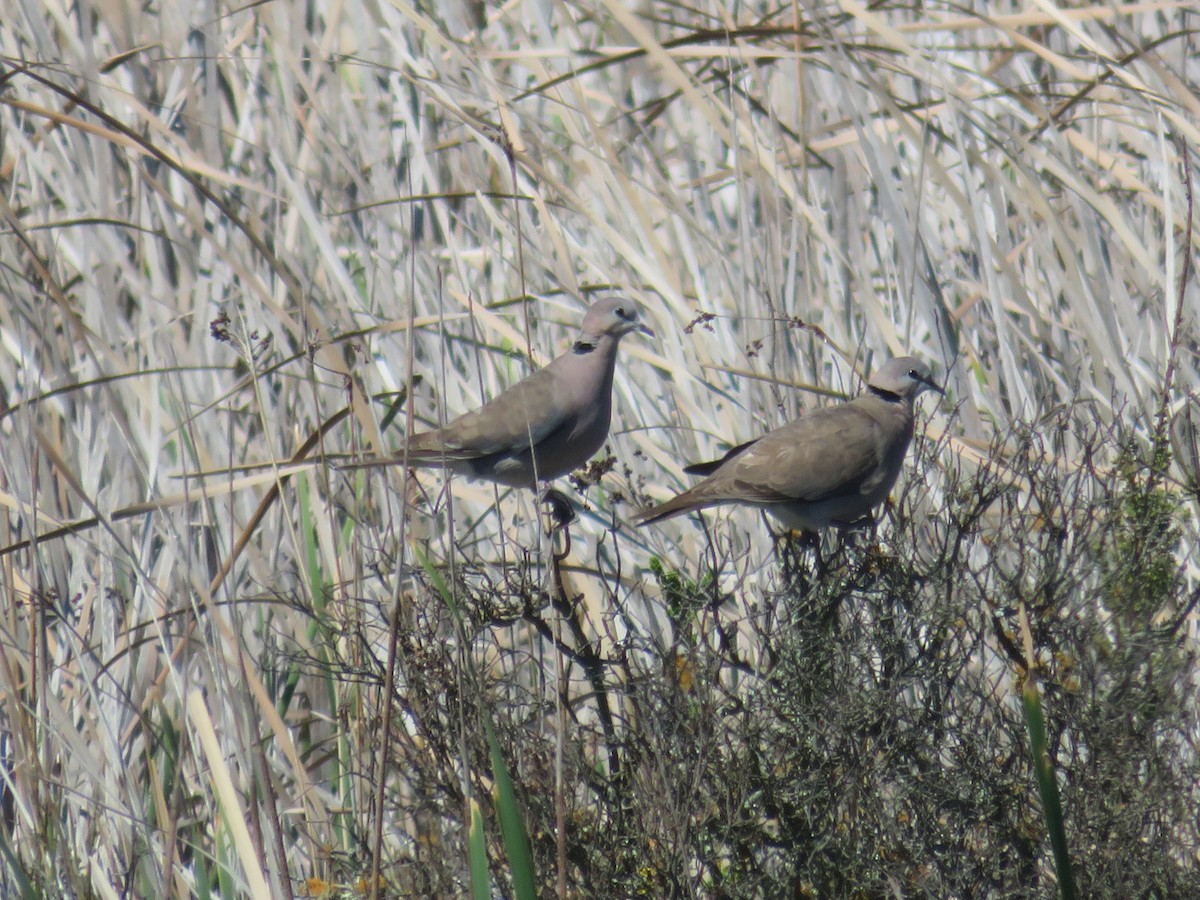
676, 506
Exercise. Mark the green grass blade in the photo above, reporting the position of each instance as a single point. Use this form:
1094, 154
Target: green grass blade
481, 888
22, 884
512, 823
1048, 788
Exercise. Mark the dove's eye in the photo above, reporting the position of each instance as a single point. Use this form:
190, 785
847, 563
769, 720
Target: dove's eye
622, 313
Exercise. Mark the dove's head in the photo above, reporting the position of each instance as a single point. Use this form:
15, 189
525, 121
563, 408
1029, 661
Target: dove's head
612, 317
905, 376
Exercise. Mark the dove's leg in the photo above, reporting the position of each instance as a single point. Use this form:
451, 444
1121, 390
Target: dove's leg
792, 547
848, 531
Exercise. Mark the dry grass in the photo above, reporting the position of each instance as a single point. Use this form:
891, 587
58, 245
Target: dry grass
221, 230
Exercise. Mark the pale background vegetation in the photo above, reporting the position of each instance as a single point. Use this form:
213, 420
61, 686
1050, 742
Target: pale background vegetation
222, 224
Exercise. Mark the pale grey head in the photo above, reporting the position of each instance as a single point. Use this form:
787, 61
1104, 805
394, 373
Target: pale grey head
612, 317
905, 377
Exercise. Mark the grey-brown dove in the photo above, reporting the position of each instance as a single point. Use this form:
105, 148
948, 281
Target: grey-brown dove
549, 424
830, 467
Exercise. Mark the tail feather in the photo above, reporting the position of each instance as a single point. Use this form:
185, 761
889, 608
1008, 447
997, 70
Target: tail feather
676, 506
707, 468
423, 452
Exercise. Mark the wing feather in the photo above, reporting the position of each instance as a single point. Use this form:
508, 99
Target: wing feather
526, 413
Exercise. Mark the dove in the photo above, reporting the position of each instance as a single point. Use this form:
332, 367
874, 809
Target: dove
828, 468
543, 427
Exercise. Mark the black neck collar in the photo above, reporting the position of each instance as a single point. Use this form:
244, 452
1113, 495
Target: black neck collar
889, 396
581, 347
